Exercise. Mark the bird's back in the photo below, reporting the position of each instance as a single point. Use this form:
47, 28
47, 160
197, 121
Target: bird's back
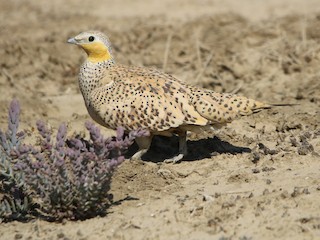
136, 97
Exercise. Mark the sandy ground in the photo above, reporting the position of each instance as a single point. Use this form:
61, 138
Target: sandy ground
267, 50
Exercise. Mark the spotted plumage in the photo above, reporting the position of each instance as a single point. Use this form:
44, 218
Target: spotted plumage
137, 97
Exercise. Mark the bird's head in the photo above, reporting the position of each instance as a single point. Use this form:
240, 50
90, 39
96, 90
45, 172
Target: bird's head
95, 44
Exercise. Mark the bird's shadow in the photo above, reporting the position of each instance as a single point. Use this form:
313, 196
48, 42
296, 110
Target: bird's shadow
167, 147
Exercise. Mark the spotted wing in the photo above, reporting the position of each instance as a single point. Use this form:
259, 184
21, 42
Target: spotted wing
138, 97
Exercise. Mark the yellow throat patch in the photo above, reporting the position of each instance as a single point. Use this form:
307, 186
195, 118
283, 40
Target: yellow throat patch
97, 52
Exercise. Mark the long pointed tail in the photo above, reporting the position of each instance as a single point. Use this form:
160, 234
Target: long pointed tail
269, 106
223, 107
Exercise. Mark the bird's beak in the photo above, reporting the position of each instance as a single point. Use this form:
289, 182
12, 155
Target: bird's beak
72, 41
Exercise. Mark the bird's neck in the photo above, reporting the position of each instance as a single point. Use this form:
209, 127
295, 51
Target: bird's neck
97, 52
91, 74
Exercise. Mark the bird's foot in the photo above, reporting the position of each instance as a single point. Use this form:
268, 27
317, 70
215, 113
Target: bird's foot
138, 155
175, 159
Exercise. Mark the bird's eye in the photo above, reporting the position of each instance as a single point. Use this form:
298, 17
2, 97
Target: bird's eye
91, 38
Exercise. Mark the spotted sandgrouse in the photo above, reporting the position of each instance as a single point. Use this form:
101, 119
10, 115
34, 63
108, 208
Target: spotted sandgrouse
138, 97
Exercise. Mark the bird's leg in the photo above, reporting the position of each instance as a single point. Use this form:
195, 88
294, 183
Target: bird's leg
144, 144
183, 143
182, 148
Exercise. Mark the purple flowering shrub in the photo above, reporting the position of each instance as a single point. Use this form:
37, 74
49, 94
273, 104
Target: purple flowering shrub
59, 177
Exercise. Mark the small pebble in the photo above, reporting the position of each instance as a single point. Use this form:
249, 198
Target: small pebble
255, 170
18, 236
306, 191
265, 192
285, 194
256, 157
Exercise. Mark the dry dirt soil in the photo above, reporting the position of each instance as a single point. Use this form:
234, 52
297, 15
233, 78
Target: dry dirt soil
257, 178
